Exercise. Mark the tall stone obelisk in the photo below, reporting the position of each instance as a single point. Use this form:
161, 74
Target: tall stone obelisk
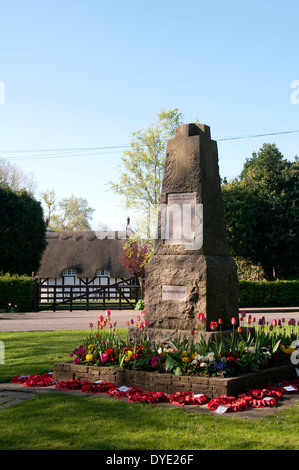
191, 271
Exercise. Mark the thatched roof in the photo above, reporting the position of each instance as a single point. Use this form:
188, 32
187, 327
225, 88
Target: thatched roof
85, 251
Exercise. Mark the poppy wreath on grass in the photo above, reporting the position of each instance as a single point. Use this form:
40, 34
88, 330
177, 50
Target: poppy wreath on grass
261, 394
19, 379
148, 397
263, 402
35, 380
187, 398
103, 387
71, 384
231, 403
115, 393
281, 387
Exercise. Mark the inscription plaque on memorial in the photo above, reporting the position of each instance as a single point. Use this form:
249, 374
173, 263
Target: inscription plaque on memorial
179, 218
173, 292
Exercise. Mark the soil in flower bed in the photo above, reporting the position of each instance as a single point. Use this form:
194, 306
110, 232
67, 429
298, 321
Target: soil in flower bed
212, 387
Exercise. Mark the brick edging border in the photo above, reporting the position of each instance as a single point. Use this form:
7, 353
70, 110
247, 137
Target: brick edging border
212, 387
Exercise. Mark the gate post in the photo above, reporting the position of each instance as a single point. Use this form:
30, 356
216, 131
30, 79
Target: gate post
35, 295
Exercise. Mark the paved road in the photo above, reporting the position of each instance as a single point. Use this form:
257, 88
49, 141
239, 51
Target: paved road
77, 320
48, 320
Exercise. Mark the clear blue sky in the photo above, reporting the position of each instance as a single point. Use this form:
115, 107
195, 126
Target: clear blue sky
87, 73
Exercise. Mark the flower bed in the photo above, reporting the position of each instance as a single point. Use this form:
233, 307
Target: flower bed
225, 354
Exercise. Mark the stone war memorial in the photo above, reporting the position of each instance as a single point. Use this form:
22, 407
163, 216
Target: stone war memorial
191, 270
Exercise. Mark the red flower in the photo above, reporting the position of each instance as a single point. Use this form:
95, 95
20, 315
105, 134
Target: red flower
213, 325
233, 321
201, 317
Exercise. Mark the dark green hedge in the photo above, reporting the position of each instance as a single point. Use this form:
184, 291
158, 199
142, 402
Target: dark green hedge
269, 294
17, 291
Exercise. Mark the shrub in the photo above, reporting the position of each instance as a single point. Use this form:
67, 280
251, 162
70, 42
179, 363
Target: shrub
269, 293
15, 293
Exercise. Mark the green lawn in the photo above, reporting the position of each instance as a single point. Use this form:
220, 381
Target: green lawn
65, 421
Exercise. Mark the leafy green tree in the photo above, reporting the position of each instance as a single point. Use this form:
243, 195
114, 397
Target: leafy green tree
74, 214
142, 165
22, 232
49, 199
261, 208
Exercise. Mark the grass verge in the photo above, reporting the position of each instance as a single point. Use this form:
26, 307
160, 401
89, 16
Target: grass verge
63, 421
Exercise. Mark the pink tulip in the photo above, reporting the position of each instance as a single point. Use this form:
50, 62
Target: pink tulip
233, 321
274, 322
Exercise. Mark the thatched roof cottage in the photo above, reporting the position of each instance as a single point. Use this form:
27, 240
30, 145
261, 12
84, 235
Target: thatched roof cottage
83, 257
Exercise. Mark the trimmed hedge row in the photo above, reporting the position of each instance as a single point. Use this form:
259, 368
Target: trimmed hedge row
16, 293
269, 293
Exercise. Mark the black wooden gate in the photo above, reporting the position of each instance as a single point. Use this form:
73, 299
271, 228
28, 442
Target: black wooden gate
120, 295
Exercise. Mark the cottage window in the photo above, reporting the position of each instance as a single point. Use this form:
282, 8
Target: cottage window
69, 272
102, 272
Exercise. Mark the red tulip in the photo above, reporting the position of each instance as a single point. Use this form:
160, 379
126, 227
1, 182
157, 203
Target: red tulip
138, 318
233, 321
91, 325
239, 329
201, 317
108, 313
101, 318
219, 321
192, 332
274, 322
213, 325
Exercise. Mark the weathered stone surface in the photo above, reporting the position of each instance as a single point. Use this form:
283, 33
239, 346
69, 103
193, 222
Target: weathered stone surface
201, 271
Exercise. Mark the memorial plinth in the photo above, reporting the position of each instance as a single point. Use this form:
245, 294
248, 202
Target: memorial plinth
191, 271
